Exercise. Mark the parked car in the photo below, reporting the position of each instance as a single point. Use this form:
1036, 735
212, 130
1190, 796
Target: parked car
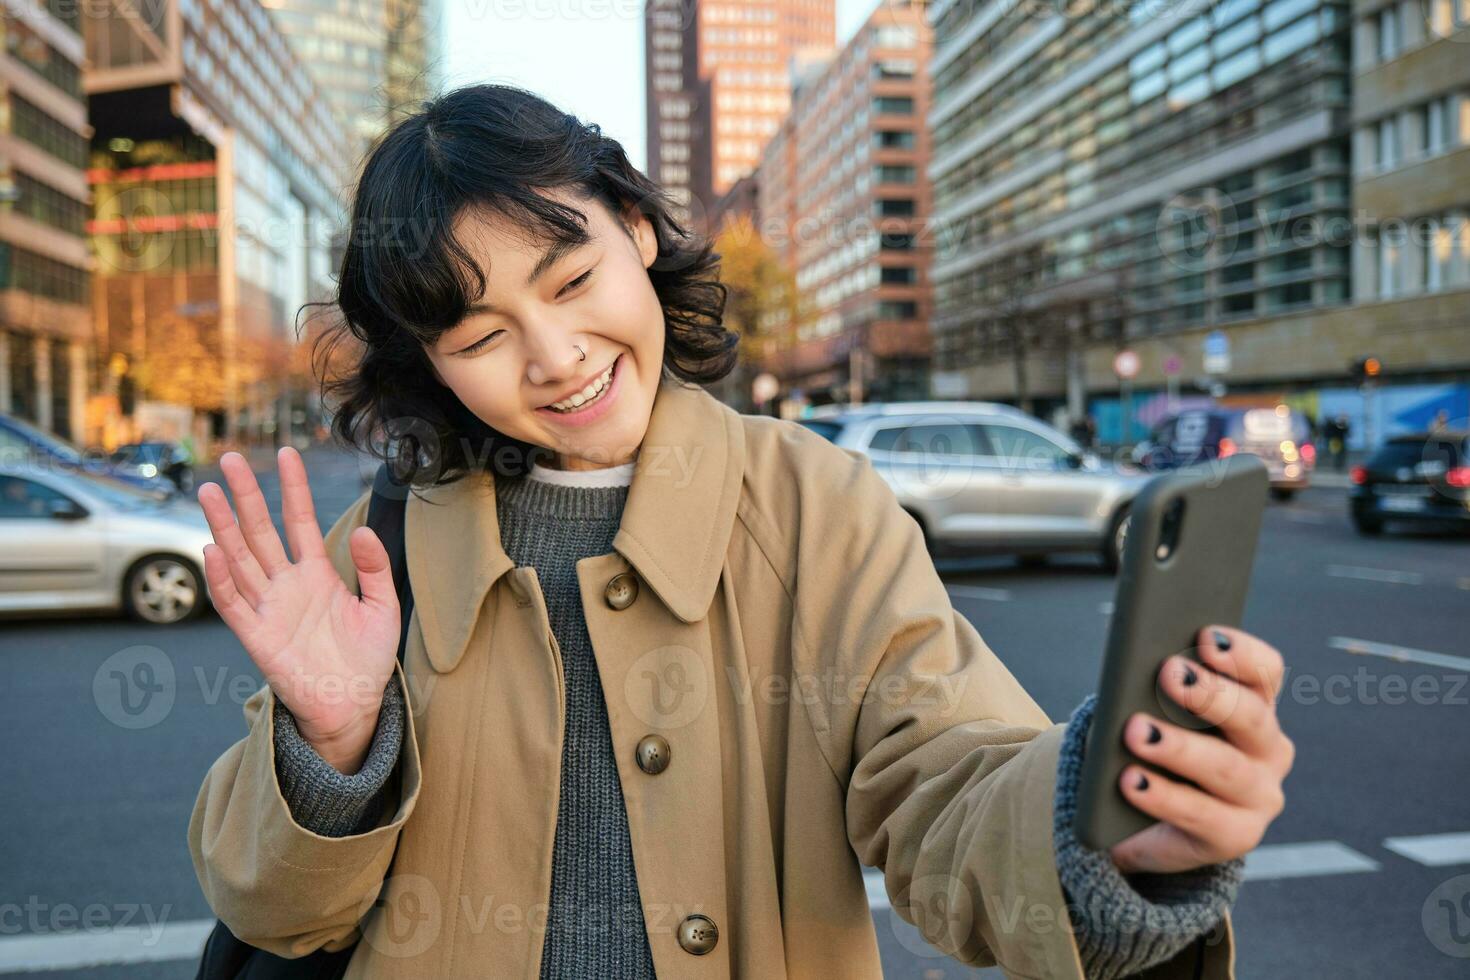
166, 459
987, 477
1418, 478
22, 443
79, 540
1279, 436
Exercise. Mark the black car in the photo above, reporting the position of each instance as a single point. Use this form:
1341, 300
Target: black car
1420, 477
168, 459
1279, 436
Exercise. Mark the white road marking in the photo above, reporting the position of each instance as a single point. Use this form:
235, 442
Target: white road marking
1327, 857
1106, 607
1433, 850
104, 947
1402, 654
1375, 574
980, 592
877, 892
1463, 583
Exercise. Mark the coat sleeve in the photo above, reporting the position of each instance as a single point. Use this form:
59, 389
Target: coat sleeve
948, 766
274, 883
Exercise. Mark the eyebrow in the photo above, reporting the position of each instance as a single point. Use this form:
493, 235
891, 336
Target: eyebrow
549, 258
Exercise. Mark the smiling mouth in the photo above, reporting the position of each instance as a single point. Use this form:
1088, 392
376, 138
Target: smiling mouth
590, 395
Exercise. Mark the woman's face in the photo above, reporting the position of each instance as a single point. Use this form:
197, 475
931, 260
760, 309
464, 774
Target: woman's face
515, 356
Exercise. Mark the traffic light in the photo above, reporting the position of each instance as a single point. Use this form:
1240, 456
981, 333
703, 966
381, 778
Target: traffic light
1367, 368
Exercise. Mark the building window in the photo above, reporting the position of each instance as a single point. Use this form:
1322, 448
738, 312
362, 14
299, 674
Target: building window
1388, 33
895, 207
899, 275
897, 309
1390, 266
893, 105
887, 173
1388, 143
891, 139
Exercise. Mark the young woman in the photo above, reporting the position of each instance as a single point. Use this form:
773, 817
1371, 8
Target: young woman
674, 674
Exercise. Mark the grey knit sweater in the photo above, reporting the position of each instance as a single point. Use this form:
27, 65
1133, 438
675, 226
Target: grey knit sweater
1123, 924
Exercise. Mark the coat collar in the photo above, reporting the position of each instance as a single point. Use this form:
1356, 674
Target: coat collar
675, 526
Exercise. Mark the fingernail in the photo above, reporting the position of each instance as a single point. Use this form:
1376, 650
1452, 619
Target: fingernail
1222, 642
1190, 677
1153, 733
1142, 782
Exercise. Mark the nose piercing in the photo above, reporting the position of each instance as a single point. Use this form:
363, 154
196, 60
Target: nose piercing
580, 351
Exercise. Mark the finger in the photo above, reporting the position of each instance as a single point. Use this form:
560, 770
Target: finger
248, 577
297, 512
238, 614
1241, 714
1249, 659
374, 576
255, 516
1218, 767
1221, 830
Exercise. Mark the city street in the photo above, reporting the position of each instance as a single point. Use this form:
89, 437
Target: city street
98, 790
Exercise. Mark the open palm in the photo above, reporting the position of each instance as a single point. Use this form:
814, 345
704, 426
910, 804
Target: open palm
326, 653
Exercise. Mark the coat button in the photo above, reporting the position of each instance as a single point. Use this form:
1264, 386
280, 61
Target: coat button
653, 754
698, 935
621, 590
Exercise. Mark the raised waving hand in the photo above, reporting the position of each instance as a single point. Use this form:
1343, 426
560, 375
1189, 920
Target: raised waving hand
326, 653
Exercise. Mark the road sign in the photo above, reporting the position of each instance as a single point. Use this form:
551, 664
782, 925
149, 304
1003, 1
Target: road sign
1217, 352
1125, 365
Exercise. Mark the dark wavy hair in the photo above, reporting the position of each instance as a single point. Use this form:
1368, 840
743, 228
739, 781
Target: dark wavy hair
405, 279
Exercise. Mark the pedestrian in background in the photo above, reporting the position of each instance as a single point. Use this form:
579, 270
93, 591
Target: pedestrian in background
674, 674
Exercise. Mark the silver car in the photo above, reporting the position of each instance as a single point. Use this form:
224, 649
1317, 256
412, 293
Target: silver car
980, 476
72, 540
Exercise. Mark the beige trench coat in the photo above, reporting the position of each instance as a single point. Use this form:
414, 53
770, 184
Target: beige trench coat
771, 612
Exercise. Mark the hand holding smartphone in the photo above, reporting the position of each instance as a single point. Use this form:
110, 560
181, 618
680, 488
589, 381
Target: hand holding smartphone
1187, 564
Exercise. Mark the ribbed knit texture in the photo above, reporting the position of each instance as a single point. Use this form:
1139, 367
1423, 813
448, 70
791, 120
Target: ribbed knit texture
1127, 923
595, 927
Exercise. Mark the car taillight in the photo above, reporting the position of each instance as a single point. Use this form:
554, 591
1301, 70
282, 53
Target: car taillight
1227, 448
1360, 475
1309, 453
1458, 477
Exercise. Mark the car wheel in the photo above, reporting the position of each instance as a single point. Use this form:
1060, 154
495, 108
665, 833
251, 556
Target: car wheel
1117, 540
163, 589
1367, 526
1282, 493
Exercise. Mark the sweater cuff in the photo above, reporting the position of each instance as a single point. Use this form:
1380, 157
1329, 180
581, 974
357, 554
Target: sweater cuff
1127, 923
321, 798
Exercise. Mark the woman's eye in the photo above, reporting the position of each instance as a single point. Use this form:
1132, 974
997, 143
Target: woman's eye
480, 344
578, 281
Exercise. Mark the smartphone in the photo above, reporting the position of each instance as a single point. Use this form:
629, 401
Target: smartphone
1186, 565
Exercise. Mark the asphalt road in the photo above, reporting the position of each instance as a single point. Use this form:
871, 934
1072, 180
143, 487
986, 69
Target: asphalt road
1366, 874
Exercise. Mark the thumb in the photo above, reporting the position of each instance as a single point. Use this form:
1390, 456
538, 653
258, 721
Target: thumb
374, 576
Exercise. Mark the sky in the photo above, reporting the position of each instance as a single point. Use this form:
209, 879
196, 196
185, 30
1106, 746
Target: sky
585, 56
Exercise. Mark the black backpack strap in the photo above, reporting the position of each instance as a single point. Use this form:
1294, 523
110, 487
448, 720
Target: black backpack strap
385, 516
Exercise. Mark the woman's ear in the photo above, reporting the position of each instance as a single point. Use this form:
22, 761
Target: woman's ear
643, 234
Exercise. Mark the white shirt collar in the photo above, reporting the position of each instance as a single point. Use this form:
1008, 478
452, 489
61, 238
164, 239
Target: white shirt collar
608, 476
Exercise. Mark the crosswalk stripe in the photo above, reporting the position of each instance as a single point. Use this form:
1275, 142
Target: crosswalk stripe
980, 592
1375, 574
1426, 657
1433, 850
104, 947
1327, 857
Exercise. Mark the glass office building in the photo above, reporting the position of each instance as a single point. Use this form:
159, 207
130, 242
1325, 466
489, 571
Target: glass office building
1113, 175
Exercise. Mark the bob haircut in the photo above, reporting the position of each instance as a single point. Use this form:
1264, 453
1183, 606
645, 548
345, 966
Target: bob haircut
405, 279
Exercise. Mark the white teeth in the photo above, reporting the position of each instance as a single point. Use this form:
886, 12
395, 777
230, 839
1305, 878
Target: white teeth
586, 395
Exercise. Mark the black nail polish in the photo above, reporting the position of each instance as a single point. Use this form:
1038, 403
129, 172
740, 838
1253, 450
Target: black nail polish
1154, 734
1142, 782
1190, 677
1222, 642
